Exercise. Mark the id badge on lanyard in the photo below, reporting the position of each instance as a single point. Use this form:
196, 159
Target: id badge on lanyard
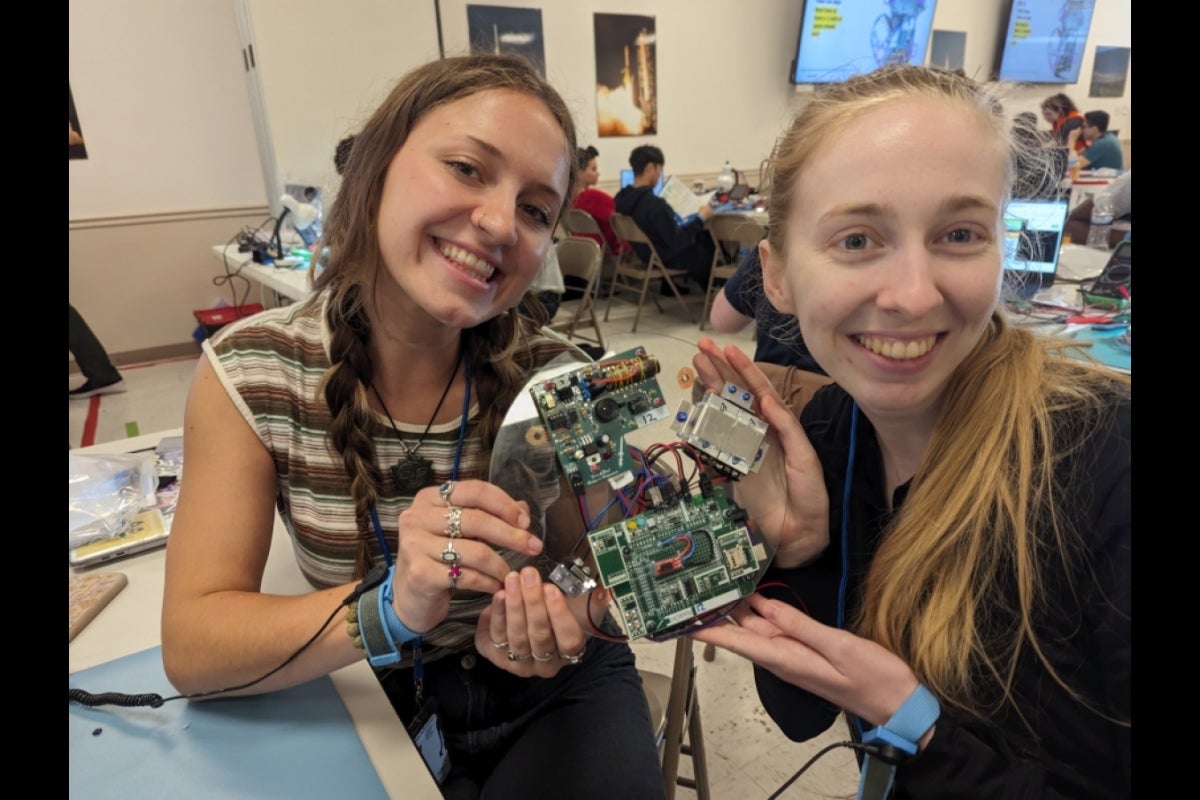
426, 728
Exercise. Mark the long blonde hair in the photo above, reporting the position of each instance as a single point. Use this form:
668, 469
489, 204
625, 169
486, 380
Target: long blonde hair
982, 519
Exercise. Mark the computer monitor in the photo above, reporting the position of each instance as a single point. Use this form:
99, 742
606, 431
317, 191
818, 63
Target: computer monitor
627, 180
1033, 231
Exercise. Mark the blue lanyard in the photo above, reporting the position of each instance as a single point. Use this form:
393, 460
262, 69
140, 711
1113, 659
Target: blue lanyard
418, 662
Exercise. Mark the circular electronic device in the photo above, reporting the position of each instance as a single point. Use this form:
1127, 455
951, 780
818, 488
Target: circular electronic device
524, 464
632, 514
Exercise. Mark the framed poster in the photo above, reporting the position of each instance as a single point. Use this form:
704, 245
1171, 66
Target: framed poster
1110, 69
948, 49
497, 29
626, 75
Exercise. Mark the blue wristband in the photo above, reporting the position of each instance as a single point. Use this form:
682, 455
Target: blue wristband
914, 717
382, 631
902, 732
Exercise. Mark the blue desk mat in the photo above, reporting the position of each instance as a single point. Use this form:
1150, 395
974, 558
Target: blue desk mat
295, 743
1105, 348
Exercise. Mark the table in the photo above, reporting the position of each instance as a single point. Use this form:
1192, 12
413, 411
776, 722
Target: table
756, 213
130, 624
290, 283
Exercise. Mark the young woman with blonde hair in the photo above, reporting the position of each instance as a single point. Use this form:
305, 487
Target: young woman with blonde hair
952, 516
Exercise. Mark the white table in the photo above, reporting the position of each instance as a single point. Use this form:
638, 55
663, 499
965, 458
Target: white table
288, 283
130, 624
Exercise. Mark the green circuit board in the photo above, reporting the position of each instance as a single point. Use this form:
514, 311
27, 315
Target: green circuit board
685, 558
587, 413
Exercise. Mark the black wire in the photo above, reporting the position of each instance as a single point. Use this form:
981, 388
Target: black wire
866, 748
153, 700
246, 237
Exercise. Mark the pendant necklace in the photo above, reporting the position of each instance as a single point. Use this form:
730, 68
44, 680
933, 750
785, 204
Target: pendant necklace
412, 471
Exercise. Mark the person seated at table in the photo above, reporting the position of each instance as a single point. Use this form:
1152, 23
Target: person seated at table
1103, 150
742, 301
344, 413
1119, 195
685, 246
595, 201
1066, 123
952, 517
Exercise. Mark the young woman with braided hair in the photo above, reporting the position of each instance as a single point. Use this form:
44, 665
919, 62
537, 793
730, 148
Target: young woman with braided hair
953, 514
365, 415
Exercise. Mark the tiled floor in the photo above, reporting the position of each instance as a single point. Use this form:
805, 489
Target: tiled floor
748, 758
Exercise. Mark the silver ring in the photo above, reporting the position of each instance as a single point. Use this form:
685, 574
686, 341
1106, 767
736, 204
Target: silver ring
513, 656
455, 572
548, 657
450, 555
500, 645
445, 489
453, 522
570, 659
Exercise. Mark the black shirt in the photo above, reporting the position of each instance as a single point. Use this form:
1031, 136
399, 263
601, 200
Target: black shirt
1076, 752
687, 246
779, 340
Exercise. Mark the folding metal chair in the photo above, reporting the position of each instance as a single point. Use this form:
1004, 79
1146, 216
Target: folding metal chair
637, 277
580, 259
731, 233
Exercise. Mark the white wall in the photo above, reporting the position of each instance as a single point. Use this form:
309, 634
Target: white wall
164, 108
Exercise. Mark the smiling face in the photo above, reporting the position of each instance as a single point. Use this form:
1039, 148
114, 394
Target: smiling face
893, 251
468, 206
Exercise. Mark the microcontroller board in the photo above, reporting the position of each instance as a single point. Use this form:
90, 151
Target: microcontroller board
690, 556
587, 413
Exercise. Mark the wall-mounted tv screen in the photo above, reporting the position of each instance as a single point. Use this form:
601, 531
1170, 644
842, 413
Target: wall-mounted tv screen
1044, 40
841, 38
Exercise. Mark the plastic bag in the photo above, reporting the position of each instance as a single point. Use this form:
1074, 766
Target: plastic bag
105, 492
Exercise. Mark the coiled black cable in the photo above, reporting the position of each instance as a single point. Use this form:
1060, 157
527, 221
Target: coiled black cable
86, 698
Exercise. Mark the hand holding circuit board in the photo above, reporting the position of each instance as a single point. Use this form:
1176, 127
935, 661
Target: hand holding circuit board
682, 552
786, 496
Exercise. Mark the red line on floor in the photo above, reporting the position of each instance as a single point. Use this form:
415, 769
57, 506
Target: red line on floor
90, 422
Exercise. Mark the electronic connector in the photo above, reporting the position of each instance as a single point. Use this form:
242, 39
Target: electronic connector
573, 579
722, 427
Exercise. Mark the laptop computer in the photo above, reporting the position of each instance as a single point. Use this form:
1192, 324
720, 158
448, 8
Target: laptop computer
1033, 231
627, 180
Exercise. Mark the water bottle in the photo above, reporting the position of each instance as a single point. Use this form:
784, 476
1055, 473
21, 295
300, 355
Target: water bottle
1102, 218
726, 180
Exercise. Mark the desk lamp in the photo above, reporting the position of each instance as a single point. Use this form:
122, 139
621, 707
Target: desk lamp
303, 217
